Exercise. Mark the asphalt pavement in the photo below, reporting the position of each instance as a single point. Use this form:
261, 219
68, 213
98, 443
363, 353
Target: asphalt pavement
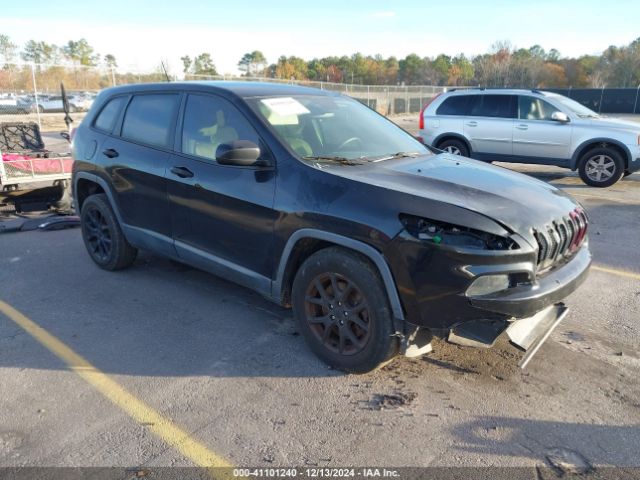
163, 365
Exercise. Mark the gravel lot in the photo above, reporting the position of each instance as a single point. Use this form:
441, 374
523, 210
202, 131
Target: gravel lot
230, 369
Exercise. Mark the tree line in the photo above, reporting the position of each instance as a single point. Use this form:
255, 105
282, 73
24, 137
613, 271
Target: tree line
502, 66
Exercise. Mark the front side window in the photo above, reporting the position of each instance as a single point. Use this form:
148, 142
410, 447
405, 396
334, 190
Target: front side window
532, 108
330, 128
211, 121
500, 106
149, 119
107, 117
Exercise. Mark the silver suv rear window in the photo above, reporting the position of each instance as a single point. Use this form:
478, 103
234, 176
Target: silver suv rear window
455, 105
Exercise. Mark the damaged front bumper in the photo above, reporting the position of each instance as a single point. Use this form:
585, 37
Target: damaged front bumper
530, 333
527, 334
527, 300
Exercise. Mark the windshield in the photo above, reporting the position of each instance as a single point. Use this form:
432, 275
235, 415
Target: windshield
575, 107
339, 129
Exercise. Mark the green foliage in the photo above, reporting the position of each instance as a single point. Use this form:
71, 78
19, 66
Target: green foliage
253, 63
203, 65
80, 52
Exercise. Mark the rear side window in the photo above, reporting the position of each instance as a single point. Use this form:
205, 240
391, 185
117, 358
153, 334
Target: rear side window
500, 106
149, 119
456, 105
107, 117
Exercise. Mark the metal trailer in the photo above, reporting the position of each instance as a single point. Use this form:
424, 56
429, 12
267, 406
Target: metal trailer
28, 171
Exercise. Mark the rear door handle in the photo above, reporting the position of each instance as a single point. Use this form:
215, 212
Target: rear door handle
110, 152
182, 172
472, 124
522, 127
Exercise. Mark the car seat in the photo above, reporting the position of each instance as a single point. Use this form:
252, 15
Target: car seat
218, 134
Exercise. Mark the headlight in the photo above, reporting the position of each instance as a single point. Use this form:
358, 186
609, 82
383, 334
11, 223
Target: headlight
441, 233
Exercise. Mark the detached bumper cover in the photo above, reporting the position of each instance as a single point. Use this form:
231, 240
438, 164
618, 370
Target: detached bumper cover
530, 333
528, 300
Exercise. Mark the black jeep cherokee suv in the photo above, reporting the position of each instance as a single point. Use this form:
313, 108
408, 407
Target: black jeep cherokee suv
317, 202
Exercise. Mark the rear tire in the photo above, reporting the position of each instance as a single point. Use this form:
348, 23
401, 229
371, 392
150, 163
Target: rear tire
342, 310
601, 167
102, 235
454, 147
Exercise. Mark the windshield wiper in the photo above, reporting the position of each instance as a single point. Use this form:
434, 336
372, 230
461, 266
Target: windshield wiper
389, 156
332, 159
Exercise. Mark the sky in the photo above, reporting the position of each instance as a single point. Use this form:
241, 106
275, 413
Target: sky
140, 33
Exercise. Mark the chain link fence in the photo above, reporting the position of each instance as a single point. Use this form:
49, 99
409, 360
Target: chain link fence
385, 99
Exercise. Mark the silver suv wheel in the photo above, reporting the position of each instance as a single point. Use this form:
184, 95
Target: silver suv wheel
452, 150
600, 168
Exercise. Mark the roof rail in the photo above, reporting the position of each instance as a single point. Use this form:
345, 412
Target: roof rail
465, 89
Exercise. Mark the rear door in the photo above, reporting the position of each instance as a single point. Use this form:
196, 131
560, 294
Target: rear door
448, 118
537, 138
222, 216
489, 126
136, 160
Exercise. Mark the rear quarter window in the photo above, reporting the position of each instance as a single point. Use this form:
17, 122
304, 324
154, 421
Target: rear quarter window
107, 117
456, 105
149, 119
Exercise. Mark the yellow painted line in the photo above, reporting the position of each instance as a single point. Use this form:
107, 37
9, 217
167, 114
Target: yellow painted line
601, 197
615, 271
132, 406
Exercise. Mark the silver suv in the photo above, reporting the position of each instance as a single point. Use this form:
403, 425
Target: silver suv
532, 126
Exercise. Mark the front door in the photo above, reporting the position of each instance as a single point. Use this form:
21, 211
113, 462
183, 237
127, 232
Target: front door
537, 138
222, 216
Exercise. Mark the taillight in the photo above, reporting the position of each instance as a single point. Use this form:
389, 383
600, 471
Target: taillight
421, 122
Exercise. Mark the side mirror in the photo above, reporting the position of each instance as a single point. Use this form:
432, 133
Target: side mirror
559, 117
241, 153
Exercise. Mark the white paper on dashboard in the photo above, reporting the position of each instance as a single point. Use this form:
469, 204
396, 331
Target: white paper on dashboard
285, 106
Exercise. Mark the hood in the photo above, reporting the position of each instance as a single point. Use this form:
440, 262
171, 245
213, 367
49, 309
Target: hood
615, 123
514, 200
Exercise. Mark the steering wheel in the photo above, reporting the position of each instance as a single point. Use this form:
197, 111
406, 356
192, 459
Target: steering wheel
349, 141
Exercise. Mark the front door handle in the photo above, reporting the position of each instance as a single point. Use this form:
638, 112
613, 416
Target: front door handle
522, 127
472, 124
110, 152
182, 172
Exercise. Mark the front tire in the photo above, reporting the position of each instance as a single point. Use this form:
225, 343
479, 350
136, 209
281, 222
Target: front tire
601, 167
342, 310
102, 235
454, 147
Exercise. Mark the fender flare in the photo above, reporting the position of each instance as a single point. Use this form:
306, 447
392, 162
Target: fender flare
368, 251
100, 181
582, 148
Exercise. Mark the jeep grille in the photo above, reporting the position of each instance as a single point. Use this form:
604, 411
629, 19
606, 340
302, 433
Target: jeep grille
558, 241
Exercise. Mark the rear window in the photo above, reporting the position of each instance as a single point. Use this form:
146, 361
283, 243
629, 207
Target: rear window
149, 119
456, 105
107, 117
501, 106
